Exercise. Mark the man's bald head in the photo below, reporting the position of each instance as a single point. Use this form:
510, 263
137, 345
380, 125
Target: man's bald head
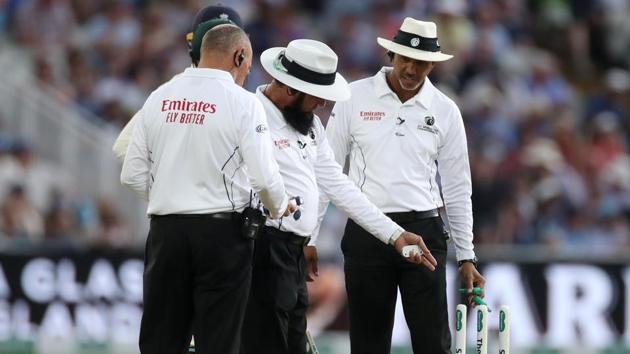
224, 39
227, 47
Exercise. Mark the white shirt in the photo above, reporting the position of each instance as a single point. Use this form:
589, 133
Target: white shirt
396, 150
196, 141
124, 138
122, 141
307, 165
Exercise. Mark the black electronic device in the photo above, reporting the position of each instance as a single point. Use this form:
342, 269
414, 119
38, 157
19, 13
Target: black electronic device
253, 223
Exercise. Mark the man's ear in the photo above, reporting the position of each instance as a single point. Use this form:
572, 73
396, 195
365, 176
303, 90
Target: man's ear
239, 57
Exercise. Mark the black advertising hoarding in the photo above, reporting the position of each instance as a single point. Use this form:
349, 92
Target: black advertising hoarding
90, 297
96, 297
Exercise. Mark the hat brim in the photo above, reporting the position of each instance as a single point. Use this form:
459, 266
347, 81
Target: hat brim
338, 91
412, 53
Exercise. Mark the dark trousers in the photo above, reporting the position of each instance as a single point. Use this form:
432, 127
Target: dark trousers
374, 271
196, 281
275, 320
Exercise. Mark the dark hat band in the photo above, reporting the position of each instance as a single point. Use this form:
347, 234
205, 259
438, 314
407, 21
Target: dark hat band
305, 74
416, 42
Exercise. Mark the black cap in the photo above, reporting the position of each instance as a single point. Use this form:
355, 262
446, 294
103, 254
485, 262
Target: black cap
218, 15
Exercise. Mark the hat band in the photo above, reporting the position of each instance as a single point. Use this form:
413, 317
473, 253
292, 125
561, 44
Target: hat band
305, 74
416, 42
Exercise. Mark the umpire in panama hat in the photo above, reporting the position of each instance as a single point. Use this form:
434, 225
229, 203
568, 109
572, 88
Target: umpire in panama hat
304, 77
400, 131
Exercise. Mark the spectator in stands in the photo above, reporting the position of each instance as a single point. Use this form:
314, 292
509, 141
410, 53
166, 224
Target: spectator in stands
20, 219
139, 47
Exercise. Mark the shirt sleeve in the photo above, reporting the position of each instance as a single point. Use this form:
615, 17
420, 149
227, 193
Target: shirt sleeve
338, 137
454, 169
136, 163
321, 213
122, 142
256, 150
347, 196
338, 131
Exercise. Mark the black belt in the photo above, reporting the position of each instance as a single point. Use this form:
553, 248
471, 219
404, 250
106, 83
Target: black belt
228, 215
289, 237
409, 216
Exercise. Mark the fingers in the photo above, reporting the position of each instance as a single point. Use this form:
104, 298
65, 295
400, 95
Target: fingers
311, 271
425, 258
426, 253
422, 259
468, 281
427, 263
474, 279
480, 282
289, 210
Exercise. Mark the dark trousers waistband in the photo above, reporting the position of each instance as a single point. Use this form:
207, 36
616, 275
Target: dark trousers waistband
289, 237
228, 215
409, 216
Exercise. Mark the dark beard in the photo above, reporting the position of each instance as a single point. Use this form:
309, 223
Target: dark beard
297, 118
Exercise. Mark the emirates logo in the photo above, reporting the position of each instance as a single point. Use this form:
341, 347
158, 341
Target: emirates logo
415, 41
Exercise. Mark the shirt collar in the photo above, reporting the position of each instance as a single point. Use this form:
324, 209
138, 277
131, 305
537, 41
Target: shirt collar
207, 72
423, 97
277, 119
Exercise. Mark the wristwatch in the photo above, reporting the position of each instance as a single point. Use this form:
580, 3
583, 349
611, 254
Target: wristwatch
473, 261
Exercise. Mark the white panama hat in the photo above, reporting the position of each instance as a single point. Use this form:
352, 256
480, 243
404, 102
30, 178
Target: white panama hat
308, 66
417, 40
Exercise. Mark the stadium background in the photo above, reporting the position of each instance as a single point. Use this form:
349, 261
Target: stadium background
544, 88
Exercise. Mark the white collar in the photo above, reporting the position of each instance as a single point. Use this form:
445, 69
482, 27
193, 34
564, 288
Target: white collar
277, 119
208, 72
424, 96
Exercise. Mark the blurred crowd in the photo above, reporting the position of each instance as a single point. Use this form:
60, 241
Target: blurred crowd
543, 85
38, 208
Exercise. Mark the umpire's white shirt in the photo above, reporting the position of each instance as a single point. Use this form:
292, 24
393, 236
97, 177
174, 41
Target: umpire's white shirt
396, 150
307, 165
197, 139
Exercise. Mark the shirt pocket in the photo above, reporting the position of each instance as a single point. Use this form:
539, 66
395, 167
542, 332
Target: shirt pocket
425, 141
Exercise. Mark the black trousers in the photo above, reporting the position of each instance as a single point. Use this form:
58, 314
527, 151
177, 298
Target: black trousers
196, 281
275, 320
374, 271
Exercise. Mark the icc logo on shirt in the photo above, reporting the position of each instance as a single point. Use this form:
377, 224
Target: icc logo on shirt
429, 120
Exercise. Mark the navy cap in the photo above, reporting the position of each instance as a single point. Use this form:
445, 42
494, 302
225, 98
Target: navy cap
218, 15
212, 12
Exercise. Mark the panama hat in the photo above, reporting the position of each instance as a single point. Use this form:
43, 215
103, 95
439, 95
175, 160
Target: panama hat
417, 40
308, 66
